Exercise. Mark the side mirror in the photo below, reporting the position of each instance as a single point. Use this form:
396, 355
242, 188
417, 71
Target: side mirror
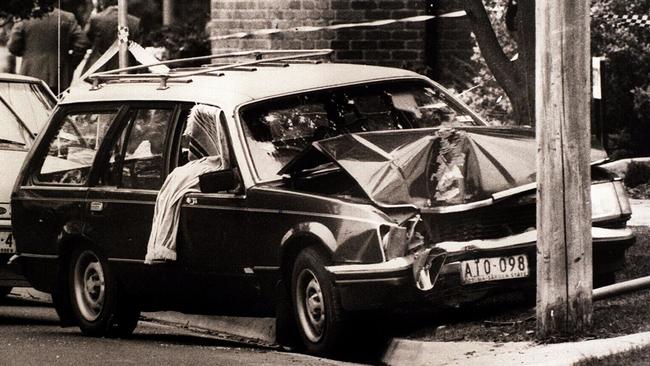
219, 181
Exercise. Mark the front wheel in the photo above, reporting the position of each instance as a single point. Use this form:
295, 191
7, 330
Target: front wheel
96, 303
316, 304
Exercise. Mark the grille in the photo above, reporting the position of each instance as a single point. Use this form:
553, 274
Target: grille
483, 223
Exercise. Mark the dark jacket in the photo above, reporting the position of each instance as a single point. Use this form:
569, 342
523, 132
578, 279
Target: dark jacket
102, 32
36, 41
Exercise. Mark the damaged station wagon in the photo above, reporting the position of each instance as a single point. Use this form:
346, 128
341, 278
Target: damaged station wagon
339, 188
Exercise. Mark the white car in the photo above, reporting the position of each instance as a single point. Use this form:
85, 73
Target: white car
25, 106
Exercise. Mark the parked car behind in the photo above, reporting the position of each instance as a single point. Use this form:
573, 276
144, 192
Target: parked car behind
25, 106
343, 188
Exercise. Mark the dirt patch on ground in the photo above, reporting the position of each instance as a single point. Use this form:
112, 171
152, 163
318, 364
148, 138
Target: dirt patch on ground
511, 318
642, 191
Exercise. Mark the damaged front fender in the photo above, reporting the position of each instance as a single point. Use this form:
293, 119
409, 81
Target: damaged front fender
421, 268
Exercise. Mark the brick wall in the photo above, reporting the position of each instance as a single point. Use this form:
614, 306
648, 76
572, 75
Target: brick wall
442, 45
393, 45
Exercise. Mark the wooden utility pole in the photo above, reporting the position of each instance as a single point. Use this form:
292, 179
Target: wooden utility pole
122, 33
564, 256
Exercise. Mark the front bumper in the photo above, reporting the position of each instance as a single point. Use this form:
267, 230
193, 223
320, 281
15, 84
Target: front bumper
399, 281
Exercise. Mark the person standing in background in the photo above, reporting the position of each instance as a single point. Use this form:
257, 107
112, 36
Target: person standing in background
80, 8
102, 32
7, 60
45, 56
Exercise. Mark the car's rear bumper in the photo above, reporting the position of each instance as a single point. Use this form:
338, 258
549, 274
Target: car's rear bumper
10, 276
393, 283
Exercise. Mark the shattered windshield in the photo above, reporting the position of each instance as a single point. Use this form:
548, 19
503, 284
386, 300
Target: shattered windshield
277, 130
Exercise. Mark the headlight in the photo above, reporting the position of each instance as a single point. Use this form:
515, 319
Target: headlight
393, 240
605, 201
5, 211
399, 240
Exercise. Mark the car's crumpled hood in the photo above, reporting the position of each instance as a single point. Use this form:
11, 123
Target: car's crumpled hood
429, 167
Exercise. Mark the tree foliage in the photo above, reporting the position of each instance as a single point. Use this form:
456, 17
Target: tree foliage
486, 95
505, 34
627, 48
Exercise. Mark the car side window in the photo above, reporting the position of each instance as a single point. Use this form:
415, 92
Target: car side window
203, 134
73, 148
136, 159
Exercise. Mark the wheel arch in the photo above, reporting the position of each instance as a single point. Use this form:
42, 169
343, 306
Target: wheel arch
300, 237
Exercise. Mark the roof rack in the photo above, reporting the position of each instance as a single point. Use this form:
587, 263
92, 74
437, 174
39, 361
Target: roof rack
163, 78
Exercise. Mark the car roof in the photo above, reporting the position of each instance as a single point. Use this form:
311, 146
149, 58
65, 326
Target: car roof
234, 87
18, 78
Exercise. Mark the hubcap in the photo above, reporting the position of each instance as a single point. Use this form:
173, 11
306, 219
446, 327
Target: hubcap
89, 285
310, 305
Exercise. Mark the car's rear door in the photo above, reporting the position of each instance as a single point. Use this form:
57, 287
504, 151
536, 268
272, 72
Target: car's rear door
50, 203
122, 196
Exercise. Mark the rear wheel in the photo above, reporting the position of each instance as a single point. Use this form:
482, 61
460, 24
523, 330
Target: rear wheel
316, 304
94, 294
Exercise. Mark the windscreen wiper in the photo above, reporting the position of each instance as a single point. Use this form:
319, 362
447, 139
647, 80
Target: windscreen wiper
20, 120
12, 142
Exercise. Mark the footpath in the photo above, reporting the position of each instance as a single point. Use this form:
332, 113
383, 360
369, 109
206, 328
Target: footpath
261, 331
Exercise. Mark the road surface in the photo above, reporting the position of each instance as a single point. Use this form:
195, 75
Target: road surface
30, 335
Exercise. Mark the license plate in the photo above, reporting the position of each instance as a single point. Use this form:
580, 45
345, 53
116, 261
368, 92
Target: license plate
7, 242
492, 269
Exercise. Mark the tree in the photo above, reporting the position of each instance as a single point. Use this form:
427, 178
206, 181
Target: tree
515, 74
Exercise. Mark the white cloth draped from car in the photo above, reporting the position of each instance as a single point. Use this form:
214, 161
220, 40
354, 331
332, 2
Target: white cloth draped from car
203, 133
203, 128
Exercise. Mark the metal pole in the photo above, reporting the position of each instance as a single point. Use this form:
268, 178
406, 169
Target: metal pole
122, 33
168, 12
642, 283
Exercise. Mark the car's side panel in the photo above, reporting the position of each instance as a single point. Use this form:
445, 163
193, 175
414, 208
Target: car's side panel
119, 221
215, 253
351, 234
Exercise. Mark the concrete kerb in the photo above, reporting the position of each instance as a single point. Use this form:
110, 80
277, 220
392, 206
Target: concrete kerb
30, 294
259, 331
402, 352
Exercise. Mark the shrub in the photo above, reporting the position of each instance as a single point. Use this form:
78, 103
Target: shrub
637, 174
180, 40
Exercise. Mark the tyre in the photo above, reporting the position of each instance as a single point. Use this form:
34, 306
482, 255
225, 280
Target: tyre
62, 304
316, 305
95, 298
4, 291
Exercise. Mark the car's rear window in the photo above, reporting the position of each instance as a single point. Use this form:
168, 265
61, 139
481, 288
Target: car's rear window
277, 130
73, 148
